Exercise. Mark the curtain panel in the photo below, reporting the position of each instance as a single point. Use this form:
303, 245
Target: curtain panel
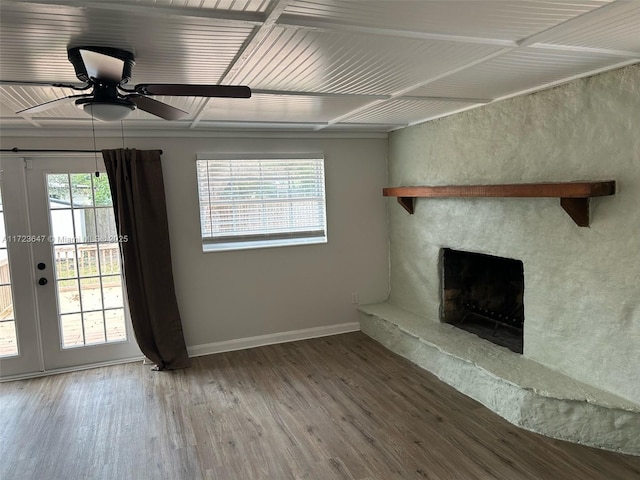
137, 190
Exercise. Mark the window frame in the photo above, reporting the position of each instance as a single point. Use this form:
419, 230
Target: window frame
263, 240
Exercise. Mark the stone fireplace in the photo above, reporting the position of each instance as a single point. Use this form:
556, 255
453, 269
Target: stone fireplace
577, 378
483, 294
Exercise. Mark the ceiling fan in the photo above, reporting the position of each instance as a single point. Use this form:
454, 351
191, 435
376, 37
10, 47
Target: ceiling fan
107, 70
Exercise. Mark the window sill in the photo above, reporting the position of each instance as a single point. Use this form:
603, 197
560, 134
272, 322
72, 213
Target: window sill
253, 244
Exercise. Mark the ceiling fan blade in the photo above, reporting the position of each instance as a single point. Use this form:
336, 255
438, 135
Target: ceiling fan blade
101, 66
50, 104
157, 108
180, 90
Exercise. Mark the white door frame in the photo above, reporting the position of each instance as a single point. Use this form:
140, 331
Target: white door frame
39, 326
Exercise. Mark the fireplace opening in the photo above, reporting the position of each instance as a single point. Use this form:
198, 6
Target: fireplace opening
483, 294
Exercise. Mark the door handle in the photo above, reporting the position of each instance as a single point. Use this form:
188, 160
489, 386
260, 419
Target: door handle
42, 281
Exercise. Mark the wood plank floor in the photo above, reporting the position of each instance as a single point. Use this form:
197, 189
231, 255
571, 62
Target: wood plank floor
340, 407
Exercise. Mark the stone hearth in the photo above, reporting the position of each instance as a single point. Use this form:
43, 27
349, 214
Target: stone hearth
518, 389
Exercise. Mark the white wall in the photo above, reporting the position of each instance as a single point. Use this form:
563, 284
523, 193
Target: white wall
232, 295
582, 285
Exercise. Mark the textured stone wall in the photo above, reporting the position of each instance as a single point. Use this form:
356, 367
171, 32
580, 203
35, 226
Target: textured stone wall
582, 285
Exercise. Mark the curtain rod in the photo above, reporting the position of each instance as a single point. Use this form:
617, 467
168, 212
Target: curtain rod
47, 150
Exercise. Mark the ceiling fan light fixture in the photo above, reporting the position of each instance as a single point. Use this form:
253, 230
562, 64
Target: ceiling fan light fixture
107, 111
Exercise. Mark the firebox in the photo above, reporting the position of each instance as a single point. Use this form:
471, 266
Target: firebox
483, 294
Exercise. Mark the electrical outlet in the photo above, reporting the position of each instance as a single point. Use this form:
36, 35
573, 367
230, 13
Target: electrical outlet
355, 298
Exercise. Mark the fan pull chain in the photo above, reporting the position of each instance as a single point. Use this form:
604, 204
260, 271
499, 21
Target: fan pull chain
95, 148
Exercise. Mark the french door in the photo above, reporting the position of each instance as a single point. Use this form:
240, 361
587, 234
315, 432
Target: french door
61, 289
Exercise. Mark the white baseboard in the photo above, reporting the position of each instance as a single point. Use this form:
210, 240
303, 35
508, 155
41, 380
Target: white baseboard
272, 338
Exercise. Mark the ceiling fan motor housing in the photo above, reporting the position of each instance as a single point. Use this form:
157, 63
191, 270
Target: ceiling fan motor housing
75, 57
105, 104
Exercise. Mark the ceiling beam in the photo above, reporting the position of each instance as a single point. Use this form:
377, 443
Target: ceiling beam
151, 129
586, 50
300, 22
366, 96
258, 91
415, 98
275, 10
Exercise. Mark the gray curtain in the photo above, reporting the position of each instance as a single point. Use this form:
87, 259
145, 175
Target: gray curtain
137, 189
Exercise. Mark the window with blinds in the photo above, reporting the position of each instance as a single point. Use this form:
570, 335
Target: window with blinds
249, 201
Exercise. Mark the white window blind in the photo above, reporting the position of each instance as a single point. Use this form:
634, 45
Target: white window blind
249, 201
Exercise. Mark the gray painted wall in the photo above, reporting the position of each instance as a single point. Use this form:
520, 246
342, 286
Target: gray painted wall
582, 285
233, 295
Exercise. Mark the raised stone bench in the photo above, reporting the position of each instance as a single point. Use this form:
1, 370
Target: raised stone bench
518, 389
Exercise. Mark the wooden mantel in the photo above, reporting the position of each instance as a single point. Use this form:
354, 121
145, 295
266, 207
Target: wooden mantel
574, 196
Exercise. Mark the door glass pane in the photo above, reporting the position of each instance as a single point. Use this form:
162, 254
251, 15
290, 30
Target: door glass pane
59, 192
90, 294
8, 336
62, 228
8, 343
85, 222
87, 262
72, 330
8, 339
112, 291
65, 261
94, 328
81, 190
102, 191
114, 320
68, 296
106, 225
109, 258
3, 233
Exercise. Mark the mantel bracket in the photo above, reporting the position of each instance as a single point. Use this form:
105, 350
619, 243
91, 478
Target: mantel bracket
578, 210
408, 203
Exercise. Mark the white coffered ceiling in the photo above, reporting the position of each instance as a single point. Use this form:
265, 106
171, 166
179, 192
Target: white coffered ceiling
313, 65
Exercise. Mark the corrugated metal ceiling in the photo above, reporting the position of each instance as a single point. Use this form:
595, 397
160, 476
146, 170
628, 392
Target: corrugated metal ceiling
350, 65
